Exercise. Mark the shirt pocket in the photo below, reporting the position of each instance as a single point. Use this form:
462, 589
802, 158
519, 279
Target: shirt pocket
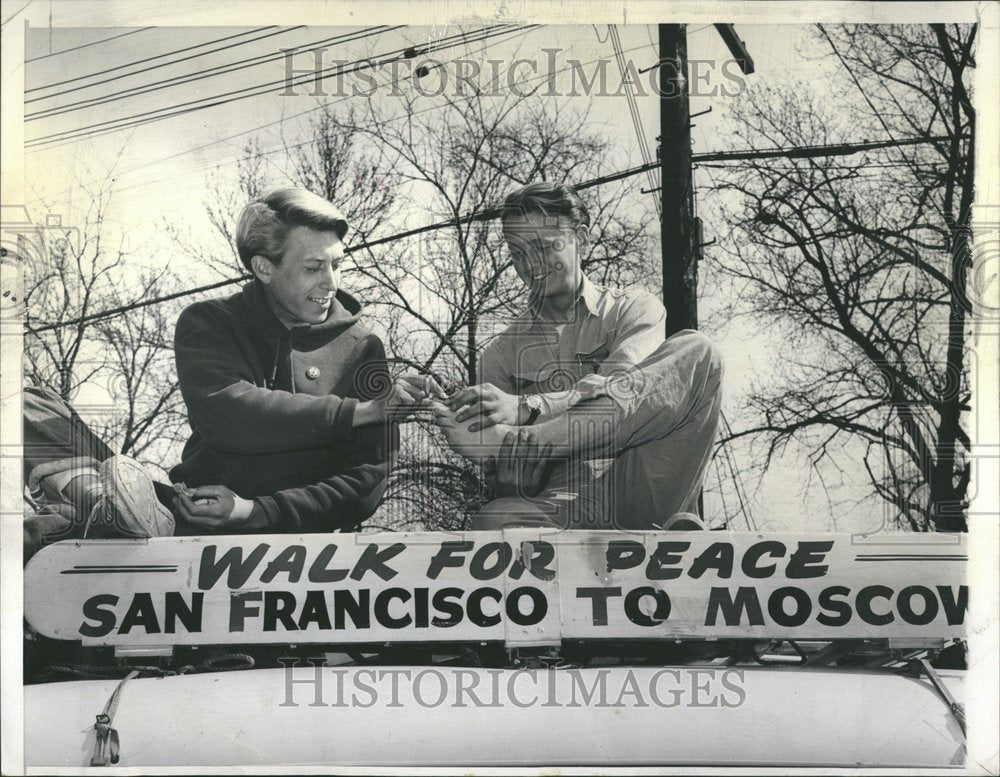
590, 362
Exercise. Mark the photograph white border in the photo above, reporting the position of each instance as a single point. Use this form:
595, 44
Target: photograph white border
984, 631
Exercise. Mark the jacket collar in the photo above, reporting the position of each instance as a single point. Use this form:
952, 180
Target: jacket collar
345, 311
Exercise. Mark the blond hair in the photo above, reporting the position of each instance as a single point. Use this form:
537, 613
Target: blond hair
264, 223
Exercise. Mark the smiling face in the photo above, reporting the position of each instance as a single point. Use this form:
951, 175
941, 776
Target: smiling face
546, 255
301, 287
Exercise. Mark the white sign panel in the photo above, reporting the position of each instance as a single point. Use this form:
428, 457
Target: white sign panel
521, 587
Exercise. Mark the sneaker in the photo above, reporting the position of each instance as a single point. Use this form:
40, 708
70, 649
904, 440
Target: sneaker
684, 522
130, 506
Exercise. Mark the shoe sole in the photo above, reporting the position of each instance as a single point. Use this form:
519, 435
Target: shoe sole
684, 522
130, 490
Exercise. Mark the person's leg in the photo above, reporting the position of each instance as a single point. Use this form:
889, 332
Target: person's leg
67, 462
673, 387
61, 453
659, 423
511, 512
649, 401
665, 434
48, 524
53, 430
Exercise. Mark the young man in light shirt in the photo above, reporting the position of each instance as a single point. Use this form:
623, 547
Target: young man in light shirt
584, 377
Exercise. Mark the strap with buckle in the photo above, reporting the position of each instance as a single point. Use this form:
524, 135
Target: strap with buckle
107, 746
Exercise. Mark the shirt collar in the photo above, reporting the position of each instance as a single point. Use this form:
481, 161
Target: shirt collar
588, 295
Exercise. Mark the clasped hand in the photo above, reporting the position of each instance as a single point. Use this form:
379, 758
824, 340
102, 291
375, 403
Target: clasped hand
520, 468
487, 404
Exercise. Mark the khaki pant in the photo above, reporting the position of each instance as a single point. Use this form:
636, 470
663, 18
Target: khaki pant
659, 432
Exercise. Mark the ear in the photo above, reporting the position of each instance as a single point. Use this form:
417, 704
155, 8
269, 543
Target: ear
582, 239
262, 268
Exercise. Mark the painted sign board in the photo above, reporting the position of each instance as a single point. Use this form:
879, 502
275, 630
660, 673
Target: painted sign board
522, 587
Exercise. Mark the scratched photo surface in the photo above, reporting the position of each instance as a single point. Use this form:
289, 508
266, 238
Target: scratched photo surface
786, 215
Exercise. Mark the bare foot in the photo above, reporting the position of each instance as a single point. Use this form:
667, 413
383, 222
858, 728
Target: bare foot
473, 445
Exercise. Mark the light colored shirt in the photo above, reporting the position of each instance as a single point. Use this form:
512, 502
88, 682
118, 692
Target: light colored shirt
608, 331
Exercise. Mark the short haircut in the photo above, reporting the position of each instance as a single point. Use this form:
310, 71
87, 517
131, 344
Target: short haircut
264, 223
548, 199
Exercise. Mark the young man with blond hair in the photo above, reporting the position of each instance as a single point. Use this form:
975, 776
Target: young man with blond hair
289, 400
289, 395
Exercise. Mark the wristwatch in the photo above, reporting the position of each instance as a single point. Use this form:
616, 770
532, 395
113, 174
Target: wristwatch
533, 404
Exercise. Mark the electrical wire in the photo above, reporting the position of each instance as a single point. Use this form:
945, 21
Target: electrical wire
640, 131
239, 94
438, 45
282, 120
483, 215
85, 45
225, 69
150, 59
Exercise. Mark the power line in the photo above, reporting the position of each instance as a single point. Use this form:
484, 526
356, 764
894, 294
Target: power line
807, 152
466, 99
514, 33
231, 67
362, 64
153, 67
324, 106
633, 108
238, 94
484, 215
85, 45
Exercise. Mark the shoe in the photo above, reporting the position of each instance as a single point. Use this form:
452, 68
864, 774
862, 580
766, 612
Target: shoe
684, 522
129, 506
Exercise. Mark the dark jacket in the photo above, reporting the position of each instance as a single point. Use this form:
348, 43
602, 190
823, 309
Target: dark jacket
272, 409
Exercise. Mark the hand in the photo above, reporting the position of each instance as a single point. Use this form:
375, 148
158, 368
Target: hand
218, 508
411, 392
520, 469
414, 391
488, 404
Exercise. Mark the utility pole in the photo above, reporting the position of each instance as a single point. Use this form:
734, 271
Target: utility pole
678, 244
680, 230
681, 235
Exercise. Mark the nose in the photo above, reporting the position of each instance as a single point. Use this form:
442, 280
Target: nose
330, 277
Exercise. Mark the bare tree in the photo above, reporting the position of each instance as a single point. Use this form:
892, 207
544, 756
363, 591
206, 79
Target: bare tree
66, 279
126, 360
437, 297
455, 287
862, 262
150, 422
